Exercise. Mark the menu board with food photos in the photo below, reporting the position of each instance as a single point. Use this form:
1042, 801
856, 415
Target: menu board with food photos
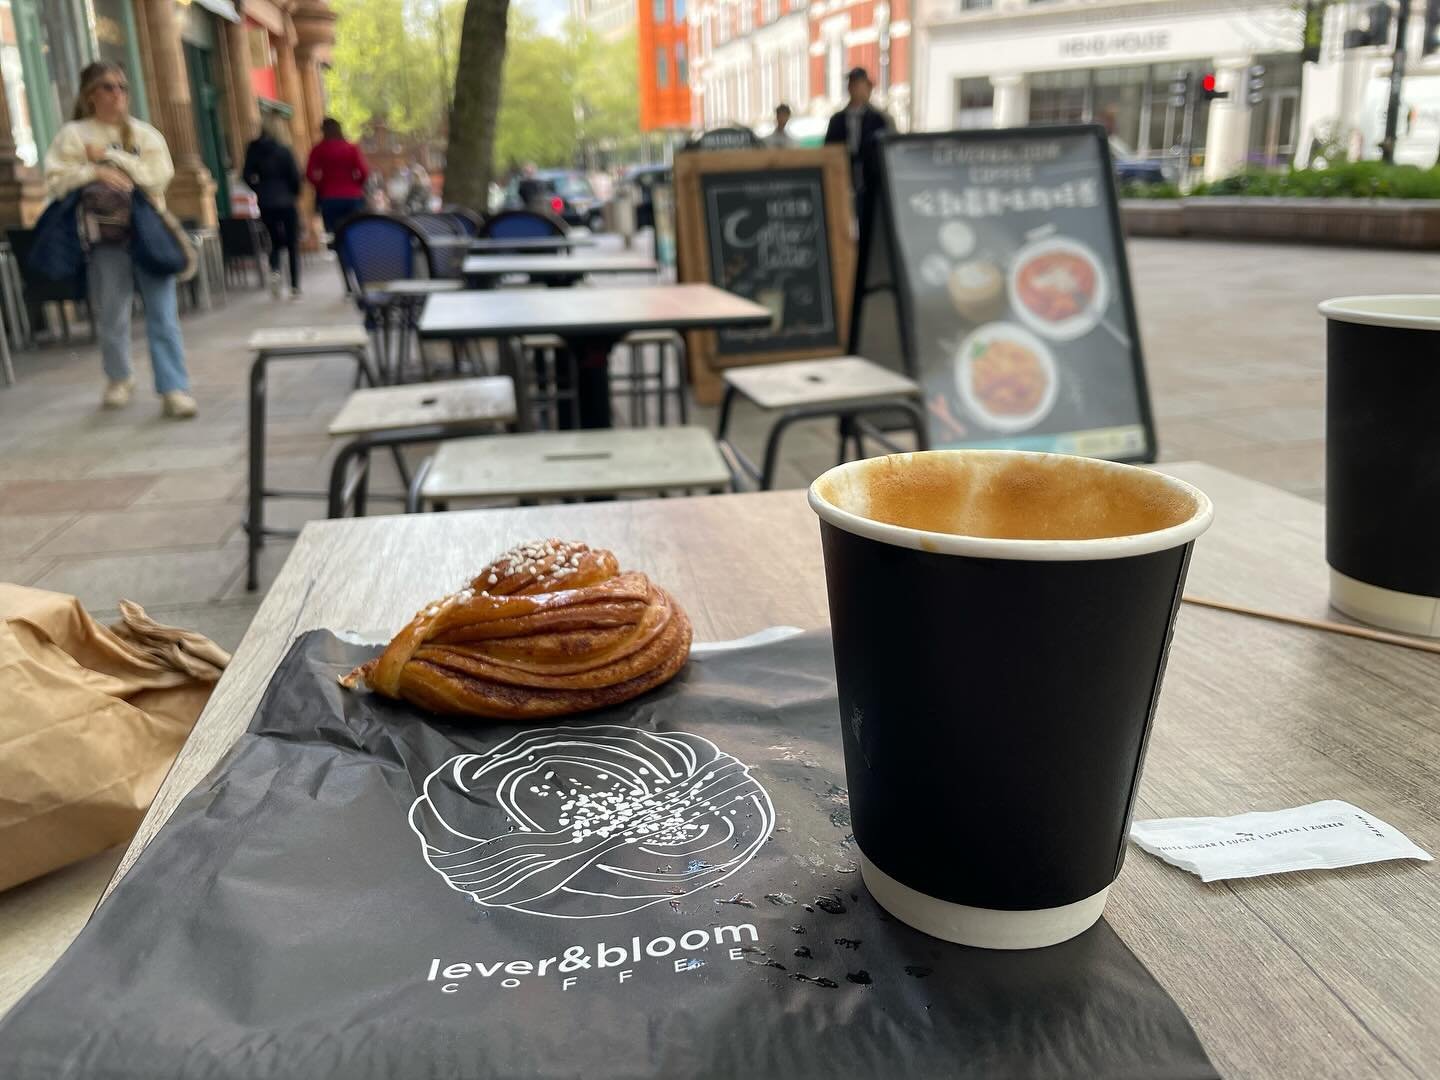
992, 267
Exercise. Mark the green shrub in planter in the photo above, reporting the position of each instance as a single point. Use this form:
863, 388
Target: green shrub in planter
1344, 180
1133, 189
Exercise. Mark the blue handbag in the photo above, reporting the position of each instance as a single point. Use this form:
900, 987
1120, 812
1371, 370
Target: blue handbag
56, 251
153, 245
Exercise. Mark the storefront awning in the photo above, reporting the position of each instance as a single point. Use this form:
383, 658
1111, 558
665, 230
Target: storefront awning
224, 8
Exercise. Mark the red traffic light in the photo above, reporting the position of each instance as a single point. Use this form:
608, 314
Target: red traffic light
557, 203
1207, 82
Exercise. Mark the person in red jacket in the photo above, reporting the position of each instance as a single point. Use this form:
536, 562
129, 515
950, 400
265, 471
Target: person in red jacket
338, 171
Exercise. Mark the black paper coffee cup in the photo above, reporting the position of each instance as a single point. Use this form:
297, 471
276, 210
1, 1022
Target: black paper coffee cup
1001, 622
1382, 460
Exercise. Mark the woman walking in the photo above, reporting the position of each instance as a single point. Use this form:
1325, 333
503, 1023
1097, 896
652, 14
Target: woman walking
271, 172
106, 153
338, 171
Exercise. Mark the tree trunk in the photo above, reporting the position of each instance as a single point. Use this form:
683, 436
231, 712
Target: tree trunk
477, 101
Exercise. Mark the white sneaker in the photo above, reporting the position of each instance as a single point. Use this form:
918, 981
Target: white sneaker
117, 393
178, 405
275, 284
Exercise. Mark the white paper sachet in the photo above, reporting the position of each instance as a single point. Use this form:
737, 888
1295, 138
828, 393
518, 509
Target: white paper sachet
1320, 836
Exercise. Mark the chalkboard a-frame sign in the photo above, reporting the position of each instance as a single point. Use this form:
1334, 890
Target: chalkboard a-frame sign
992, 270
772, 226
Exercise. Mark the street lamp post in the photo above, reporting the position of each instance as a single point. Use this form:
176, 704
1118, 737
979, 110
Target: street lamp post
1397, 76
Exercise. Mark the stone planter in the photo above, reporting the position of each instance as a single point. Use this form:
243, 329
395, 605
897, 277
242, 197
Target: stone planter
1391, 223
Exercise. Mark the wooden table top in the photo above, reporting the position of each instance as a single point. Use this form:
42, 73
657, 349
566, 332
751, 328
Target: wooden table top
574, 313
537, 266
550, 464
527, 243
831, 380
1315, 974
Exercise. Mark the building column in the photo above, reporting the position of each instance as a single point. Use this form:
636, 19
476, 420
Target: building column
314, 34
1011, 107
1227, 135
22, 191
244, 107
192, 192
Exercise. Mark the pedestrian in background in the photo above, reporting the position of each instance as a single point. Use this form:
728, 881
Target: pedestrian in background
780, 139
337, 170
271, 172
857, 126
106, 153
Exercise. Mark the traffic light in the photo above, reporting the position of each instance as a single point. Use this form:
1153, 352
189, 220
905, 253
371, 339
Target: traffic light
1254, 84
1180, 85
1207, 87
1431, 40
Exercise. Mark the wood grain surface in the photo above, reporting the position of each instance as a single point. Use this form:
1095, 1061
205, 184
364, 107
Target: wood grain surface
1316, 974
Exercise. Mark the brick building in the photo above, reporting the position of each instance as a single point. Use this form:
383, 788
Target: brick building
200, 71
747, 56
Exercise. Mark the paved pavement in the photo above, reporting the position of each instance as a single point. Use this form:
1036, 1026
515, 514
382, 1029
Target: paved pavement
112, 505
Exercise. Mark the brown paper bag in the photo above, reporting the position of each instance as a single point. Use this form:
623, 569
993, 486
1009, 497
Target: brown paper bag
90, 720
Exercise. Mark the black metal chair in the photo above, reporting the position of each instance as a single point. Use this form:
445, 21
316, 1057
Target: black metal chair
242, 241
447, 258
40, 292
466, 218
523, 225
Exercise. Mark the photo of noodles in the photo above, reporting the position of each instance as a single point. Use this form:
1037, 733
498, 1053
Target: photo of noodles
1058, 288
1006, 377
587, 822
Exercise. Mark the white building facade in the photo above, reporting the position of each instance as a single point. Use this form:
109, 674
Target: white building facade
1004, 63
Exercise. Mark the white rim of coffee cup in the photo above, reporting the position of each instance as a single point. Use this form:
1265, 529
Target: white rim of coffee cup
985, 547
981, 928
1406, 311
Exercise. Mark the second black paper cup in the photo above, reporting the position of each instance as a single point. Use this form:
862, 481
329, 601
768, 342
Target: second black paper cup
1001, 623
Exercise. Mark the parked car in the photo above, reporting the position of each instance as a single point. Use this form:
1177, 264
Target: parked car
568, 194
644, 178
1130, 168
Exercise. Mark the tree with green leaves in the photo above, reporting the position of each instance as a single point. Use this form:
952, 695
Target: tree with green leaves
394, 60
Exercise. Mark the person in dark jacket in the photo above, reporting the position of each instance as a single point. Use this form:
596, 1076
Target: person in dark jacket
856, 127
272, 174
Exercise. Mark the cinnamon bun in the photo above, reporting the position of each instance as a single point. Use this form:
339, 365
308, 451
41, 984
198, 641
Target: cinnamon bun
549, 628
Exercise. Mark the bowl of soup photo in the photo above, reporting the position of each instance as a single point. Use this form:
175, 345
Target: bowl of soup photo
1058, 288
1006, 377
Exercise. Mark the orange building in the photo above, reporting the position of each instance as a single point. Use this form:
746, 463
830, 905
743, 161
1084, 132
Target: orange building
664, 64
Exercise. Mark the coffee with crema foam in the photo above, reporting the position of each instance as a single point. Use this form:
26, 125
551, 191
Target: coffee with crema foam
1008, 496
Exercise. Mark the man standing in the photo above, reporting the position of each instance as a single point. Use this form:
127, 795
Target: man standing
780, 139
857, 126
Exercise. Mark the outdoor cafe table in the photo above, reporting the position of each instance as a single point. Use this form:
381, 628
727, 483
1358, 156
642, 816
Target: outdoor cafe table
492, 244
483, 269
590, 321
1306, 975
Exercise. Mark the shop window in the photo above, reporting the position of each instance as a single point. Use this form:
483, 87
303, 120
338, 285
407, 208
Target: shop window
974, 103
682, 66
113, 24
661, 12
679, 6
1059, 97
662, 68
976, 5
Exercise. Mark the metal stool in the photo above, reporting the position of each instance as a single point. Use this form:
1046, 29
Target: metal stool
664, 383
287, 344
395, 416
848, 388
396, 306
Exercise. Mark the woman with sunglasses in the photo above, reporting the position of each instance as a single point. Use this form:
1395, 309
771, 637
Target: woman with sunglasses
104, 145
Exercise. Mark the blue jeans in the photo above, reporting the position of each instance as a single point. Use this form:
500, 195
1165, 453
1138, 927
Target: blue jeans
334, 211
113, 279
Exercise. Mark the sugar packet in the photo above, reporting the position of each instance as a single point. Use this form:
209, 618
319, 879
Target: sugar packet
1320, 836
